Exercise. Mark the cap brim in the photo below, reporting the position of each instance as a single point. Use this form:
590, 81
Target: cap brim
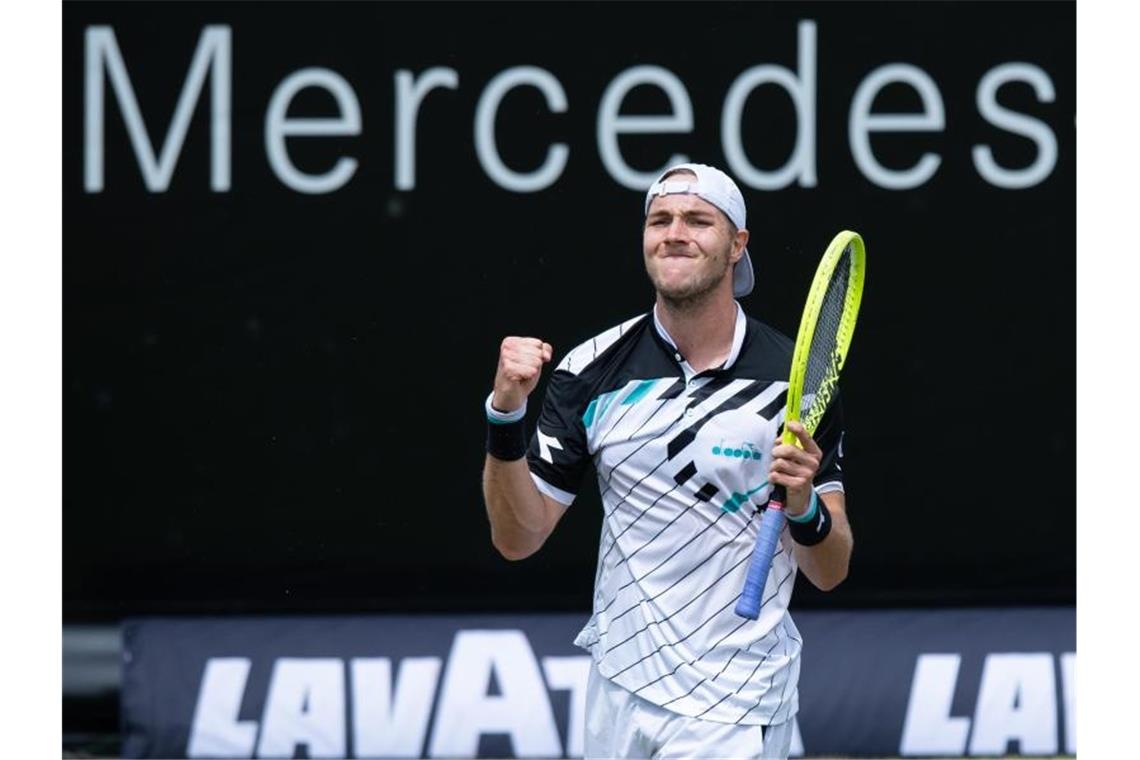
743, 278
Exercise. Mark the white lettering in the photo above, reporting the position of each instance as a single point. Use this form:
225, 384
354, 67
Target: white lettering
611, 124
410, 92
1016, 700
305, 705
485, 145
215, 730
801, 165
212, 55
466, 711
1019, 124
862, 122
571, 673
929, 728
278, 126
387, 721
1069, 695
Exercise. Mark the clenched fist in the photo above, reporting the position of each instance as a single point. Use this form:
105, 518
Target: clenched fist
520, 365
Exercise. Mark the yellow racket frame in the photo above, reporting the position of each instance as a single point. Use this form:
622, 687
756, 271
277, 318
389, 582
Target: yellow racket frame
851, 301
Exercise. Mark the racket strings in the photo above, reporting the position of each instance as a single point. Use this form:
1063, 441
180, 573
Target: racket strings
823, 361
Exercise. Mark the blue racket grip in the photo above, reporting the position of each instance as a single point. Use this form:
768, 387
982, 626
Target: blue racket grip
771, 525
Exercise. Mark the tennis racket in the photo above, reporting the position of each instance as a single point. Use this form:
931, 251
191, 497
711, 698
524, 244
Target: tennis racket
821, 346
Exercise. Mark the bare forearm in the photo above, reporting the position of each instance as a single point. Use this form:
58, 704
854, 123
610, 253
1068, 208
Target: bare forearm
825, 564
520, 522
521, 517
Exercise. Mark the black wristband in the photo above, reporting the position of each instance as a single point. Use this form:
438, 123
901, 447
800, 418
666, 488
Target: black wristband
506, 440
811, 533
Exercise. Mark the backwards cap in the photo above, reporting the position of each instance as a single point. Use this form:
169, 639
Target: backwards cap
717, 188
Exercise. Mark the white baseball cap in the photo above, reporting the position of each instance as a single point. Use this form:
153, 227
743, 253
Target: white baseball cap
717, 188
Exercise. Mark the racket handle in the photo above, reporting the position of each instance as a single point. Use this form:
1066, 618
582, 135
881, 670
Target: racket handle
771, 525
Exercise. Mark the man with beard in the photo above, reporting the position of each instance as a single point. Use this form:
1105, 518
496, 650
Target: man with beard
679, 410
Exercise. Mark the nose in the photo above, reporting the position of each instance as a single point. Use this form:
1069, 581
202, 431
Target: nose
678, 230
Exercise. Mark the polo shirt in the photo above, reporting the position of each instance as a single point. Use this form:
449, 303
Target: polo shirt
681, 460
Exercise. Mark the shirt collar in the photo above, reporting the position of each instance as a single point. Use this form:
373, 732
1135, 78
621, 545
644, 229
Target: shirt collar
733, 354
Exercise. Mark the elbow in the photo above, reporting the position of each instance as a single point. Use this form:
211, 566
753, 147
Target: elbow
830, 582
514, 555
513, 552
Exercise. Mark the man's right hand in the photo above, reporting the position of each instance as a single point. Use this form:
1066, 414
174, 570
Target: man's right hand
520, 366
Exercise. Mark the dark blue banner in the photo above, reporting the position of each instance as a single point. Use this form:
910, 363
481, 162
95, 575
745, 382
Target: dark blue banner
910, 683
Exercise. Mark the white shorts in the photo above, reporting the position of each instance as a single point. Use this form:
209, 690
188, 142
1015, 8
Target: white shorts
620, 724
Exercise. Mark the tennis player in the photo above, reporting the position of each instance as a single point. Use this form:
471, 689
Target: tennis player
678, 409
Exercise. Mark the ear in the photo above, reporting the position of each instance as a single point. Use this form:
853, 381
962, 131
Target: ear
739, 243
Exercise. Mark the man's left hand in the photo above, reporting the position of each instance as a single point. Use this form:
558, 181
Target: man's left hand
794, 468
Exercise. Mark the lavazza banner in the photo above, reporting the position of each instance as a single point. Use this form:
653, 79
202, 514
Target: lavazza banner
911, 683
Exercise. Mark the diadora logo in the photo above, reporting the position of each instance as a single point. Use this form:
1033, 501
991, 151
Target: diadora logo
746, 450
545, 444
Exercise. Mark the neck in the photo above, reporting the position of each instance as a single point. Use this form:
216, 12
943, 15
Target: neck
702, 329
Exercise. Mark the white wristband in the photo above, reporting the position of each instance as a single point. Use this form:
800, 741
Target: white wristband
812, 510
503, 418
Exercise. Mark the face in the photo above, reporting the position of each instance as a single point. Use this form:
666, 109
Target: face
689, 248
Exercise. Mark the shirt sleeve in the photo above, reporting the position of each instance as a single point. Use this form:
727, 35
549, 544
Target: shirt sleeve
558, 455
829, 437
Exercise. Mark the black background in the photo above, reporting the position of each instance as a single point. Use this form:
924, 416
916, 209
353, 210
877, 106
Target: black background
273, 400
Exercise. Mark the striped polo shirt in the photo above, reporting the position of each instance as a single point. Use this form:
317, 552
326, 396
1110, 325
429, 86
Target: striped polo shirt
681, 460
